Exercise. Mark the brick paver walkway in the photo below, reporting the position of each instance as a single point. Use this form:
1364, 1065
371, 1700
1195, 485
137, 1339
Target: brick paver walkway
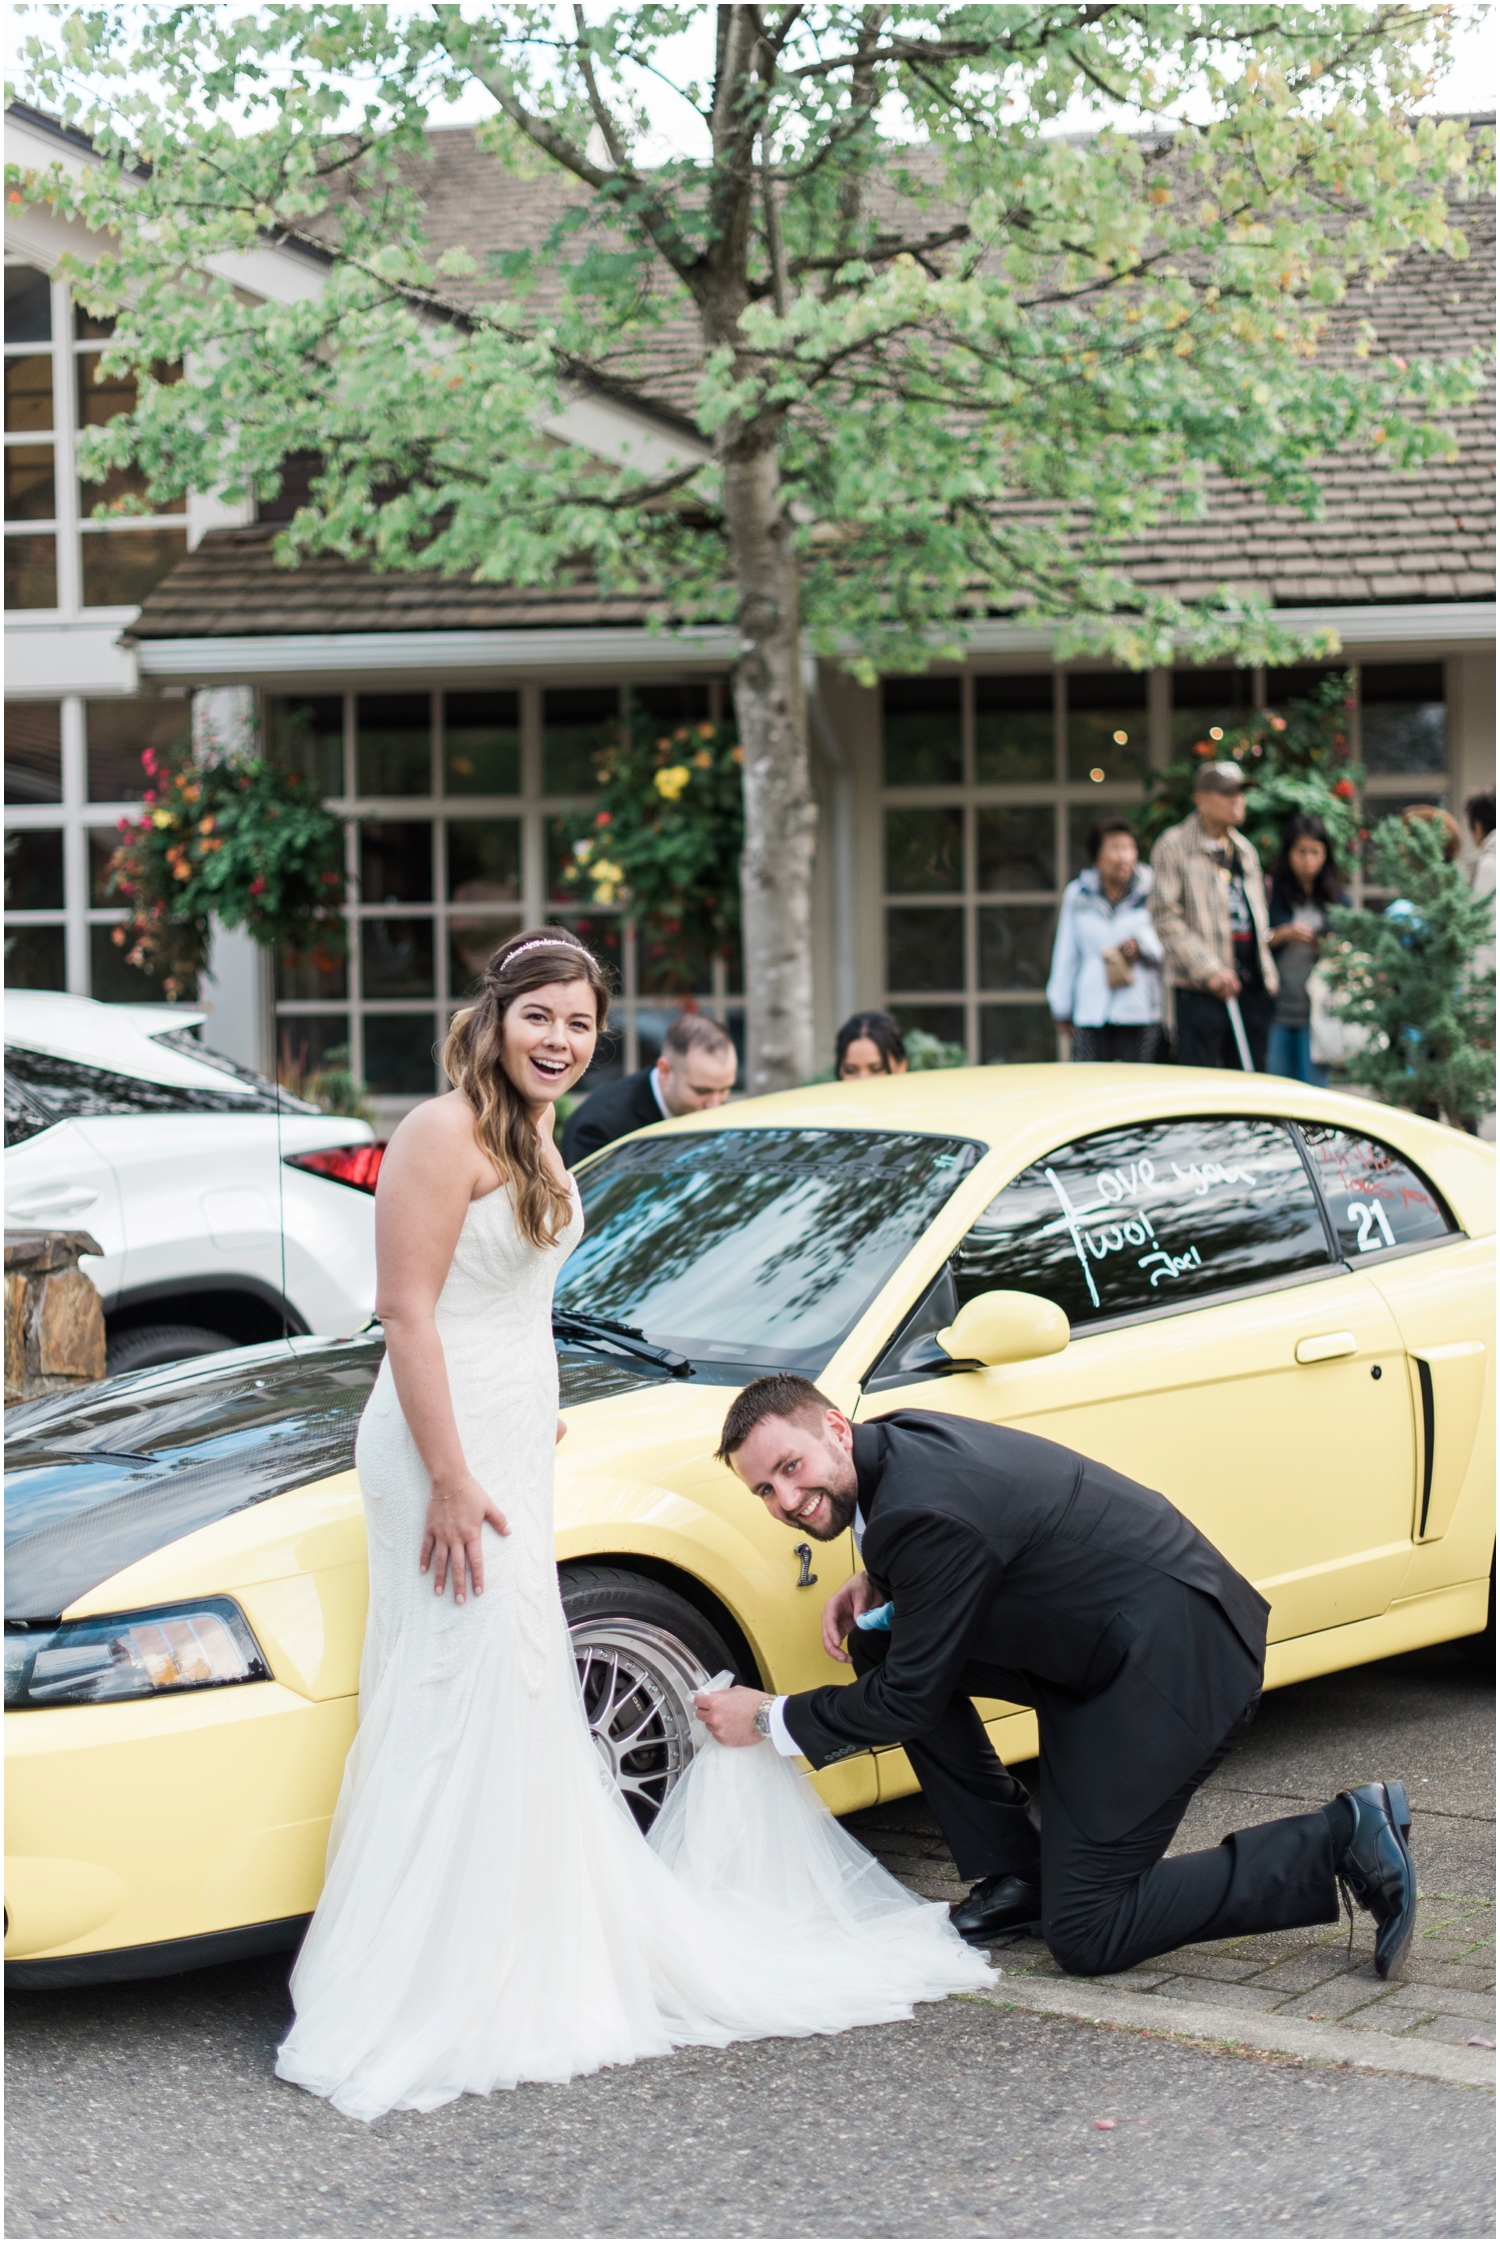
1447, 1993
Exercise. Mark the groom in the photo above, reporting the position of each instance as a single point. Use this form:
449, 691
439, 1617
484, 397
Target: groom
998, 1565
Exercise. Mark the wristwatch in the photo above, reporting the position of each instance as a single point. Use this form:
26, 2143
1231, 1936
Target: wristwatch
763, 1717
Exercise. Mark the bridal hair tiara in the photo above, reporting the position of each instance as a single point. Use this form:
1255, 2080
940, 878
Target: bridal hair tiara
545, 942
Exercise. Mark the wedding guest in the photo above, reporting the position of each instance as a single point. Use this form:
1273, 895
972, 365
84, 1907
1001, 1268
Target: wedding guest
1208, 904
869, 1043
1105, 982
1304, 881
696, 1070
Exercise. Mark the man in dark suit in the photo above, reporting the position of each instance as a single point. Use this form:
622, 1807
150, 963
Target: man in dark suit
998, 1565
695, 1071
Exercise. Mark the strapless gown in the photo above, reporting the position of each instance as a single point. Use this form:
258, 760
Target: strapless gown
492, 1912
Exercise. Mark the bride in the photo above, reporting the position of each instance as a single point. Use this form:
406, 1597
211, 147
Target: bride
492, 1912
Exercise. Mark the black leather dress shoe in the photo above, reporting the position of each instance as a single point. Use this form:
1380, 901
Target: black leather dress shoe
1376, 1869
997, 1910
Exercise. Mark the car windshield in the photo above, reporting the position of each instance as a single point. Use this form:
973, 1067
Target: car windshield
756, 1248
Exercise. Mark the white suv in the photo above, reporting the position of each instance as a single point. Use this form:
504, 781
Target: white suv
228, 1212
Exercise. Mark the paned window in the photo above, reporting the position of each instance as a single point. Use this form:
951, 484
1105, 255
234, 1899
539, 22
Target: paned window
1208, 703
30, 449
58, 555
454, 806
1375, 1199
990, 785
1130, 1222
72, 770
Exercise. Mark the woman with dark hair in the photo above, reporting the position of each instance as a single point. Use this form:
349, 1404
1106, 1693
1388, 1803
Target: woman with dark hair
492, 1912
869, 1043
1302, 883
1105, 982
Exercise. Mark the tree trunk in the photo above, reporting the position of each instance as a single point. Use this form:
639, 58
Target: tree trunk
780, 814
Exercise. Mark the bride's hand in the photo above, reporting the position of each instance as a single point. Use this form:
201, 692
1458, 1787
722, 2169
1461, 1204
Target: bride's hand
562, 1427
858, 1594
451, 1534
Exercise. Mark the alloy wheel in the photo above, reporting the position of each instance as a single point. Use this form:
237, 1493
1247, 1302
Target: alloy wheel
638, 1684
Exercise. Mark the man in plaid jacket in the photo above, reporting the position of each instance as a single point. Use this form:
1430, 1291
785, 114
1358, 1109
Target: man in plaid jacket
1208, 903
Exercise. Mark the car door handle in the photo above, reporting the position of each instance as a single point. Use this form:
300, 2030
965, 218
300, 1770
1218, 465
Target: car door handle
64, 1199
1327, 1347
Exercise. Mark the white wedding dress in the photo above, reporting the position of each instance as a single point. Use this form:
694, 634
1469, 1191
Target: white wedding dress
492, 1913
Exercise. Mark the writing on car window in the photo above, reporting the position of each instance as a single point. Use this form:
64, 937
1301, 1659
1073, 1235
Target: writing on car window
1155, 1216
1375, 1199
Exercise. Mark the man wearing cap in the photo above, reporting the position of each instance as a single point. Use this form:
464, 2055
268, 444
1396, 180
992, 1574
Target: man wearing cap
1208, 902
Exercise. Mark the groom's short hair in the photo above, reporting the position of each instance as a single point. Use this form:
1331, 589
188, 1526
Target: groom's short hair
782, 1395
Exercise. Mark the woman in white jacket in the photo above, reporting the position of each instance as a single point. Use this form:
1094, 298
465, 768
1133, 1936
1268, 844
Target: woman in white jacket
1105, 982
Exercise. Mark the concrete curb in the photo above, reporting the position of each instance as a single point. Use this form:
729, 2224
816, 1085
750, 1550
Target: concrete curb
1283, 2036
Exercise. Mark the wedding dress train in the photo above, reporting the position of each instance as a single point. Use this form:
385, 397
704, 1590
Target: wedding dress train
492, 1913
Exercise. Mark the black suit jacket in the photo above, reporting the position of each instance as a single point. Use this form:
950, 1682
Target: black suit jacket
609, 1113
1020, 1570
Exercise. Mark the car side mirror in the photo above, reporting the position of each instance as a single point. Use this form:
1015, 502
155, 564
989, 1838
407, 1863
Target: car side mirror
1005, 1328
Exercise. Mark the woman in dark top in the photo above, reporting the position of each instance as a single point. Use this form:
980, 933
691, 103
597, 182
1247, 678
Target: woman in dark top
1303, 882
870, 1043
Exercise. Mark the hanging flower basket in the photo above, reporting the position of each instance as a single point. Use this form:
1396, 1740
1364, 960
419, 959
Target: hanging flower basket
232, 838
662, 841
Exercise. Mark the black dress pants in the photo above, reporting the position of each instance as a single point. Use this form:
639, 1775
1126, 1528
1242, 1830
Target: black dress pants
1205, 1037
986, 1814
1107, 1905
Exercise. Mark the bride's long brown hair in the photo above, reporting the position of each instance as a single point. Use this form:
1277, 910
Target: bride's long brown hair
473, 1064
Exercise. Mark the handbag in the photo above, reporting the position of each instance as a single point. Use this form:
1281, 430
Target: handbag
1333, 1041
1117, 969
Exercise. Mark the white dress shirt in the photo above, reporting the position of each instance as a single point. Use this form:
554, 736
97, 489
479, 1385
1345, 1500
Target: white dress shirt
781, 1737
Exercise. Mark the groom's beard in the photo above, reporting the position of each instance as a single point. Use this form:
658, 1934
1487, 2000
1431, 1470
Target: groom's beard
841, 1510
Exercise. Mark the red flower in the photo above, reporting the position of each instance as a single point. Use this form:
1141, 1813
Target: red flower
258, 886
1344, 790
605, 818
148, 760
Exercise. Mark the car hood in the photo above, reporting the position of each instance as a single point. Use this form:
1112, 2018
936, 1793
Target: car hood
96, 1481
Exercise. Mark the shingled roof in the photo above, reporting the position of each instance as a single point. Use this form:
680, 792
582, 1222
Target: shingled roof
1382, 536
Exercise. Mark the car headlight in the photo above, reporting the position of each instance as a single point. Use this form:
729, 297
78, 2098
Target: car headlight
199, 1646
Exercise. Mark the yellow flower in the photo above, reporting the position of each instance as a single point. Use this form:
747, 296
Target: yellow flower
705, 731
162, 818
671, 781
703, 761
583, 850
182, 870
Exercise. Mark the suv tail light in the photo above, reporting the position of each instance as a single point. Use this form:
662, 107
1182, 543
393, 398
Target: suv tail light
356, 1165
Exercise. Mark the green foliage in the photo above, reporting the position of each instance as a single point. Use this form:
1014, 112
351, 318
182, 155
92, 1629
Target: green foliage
1297, 759
1407, 976
991, 359
664, 834
924, 1051
229, 837
337, 1089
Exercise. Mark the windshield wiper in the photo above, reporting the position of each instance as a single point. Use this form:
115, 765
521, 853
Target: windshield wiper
620, 1339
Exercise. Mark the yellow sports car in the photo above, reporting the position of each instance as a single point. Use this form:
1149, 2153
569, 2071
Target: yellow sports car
1276, 1307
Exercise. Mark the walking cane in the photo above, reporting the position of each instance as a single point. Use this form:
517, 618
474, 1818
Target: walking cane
1241, 1040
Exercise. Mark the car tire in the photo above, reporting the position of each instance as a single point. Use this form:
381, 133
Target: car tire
154, 1344
642, 1651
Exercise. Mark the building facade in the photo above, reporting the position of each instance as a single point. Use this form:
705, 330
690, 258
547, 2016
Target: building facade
452, 726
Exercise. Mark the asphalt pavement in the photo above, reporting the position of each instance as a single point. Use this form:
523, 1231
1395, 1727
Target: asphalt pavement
151, 2109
